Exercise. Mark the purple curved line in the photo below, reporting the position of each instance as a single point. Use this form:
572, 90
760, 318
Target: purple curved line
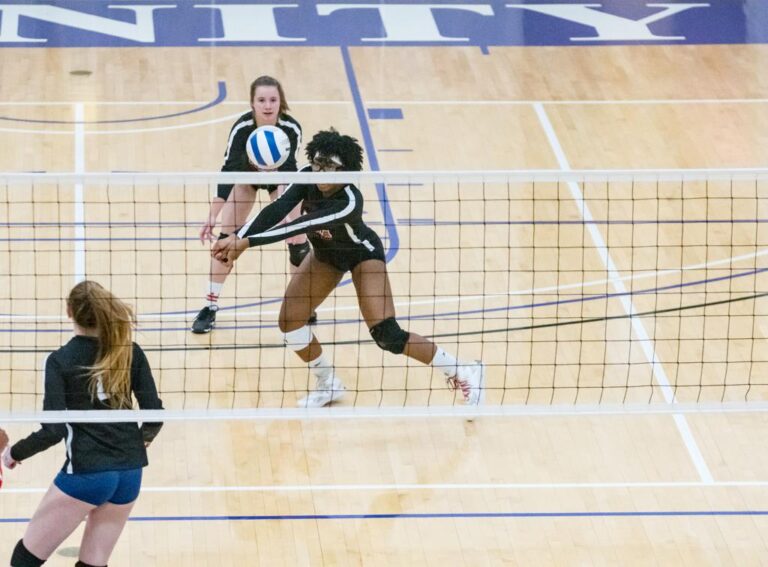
218, 100
445, 314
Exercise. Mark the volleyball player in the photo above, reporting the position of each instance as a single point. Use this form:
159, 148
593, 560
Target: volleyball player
341, 242
268, 107
99, 368
3, 445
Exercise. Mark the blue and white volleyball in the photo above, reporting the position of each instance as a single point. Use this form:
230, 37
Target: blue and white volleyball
268, 147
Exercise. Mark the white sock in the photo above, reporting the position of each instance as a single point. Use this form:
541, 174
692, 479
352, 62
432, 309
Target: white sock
445, 363
212, 297
321, 368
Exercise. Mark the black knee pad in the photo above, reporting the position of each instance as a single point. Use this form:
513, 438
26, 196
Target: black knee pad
22, 557
82, 564
297, 253
389, 336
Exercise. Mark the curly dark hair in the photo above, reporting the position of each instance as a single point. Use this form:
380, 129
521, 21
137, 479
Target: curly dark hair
331, 143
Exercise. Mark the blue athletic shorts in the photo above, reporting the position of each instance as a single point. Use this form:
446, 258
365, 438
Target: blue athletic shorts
115, 487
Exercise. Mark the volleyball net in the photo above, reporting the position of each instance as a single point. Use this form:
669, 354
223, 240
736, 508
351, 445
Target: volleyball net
576, 289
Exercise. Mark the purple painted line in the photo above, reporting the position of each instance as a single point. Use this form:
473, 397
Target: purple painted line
436, 516
373, 161
385, 114
457, 314
220, 97
105, 239
115, 224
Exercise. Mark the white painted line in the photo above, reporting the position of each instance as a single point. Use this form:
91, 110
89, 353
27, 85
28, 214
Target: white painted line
607, 102
637, 325
485, 102
629, 102
227, 118
693, 449
243, 103
435, 487
383, 412
33, 132
79, 206
729, 175
458, 300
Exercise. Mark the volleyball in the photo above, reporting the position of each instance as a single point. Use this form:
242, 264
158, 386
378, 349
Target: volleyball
268, 147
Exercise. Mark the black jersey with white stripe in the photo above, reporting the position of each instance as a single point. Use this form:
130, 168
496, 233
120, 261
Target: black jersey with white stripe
91, 447
235, 156
333, 223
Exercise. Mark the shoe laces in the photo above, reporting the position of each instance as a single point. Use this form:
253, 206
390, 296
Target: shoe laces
455, 383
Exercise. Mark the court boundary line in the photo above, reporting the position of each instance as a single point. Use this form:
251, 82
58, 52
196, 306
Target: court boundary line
406, 487
79, 119
383, 412
226, 118
646, 343
353, 102
159, 318
435, 516
232, 311
243, 103
484, 102
389, 177
575, 102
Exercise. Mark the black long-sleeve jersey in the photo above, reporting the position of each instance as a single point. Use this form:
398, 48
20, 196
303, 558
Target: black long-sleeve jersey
334, 224
91, 447
236, 158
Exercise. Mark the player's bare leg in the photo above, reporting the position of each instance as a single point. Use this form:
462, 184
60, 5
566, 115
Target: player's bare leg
234, 213
308, 288
374, 295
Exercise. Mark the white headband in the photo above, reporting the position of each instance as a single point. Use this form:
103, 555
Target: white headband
334, 159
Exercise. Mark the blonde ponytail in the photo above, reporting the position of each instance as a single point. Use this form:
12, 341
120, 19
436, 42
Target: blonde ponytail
94, 307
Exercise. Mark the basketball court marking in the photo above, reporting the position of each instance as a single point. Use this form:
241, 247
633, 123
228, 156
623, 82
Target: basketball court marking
455, 516
456, 102
580, 102
634, 314
81, 119
276, 488
230, 311
227, 118
657, 367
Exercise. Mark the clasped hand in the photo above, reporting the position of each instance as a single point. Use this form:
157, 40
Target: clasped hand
229, 249
8, 461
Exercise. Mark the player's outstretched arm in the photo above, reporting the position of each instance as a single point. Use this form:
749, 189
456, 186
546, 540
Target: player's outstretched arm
229, 249
206, 231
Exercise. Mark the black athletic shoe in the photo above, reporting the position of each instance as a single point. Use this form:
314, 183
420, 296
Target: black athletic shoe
312, 318
205, 321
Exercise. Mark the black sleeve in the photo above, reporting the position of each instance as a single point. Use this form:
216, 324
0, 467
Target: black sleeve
145, 390
235, 158
333, 213
275, 212
54, 400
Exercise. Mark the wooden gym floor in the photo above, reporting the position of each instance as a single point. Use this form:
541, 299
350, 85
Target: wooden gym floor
631, 489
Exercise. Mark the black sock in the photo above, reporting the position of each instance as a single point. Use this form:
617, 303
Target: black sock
22, 557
